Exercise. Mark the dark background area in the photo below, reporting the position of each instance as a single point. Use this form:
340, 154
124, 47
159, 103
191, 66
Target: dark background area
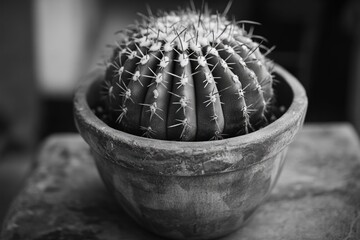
318, 41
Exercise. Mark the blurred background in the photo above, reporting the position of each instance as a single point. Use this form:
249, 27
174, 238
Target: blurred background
47, 45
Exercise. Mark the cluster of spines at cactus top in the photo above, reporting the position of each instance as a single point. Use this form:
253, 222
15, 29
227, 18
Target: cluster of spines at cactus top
187, 75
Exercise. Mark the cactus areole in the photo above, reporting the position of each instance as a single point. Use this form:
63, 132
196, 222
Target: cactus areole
188, 76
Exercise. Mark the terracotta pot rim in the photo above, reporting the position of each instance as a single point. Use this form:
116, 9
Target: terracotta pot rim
296, 108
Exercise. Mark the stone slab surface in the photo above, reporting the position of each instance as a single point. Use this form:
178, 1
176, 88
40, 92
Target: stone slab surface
317, 196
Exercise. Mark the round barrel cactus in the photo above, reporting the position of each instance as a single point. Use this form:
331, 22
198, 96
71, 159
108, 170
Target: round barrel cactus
188, 75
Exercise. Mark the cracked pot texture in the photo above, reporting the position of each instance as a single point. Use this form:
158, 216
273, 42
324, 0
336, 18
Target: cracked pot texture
191, 190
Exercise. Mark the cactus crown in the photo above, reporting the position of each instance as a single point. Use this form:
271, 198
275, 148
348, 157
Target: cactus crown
187, 75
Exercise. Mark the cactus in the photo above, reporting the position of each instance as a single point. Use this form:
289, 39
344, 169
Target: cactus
188, 75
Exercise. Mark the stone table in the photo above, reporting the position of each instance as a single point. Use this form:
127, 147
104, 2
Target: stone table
317, 196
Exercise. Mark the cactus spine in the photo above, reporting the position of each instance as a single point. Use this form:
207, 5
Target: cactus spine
189, 76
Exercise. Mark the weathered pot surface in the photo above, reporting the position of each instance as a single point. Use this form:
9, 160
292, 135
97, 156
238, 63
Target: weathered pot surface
192, 190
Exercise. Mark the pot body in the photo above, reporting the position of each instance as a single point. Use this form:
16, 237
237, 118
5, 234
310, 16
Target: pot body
191, 190
191, 207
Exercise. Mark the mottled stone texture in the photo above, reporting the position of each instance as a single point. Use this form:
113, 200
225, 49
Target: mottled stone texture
317, 195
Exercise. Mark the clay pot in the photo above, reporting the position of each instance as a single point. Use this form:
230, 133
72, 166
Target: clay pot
192, 190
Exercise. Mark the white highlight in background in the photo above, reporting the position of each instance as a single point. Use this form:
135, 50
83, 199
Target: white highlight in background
61, 29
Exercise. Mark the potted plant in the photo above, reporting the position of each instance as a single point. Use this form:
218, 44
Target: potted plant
187, 125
